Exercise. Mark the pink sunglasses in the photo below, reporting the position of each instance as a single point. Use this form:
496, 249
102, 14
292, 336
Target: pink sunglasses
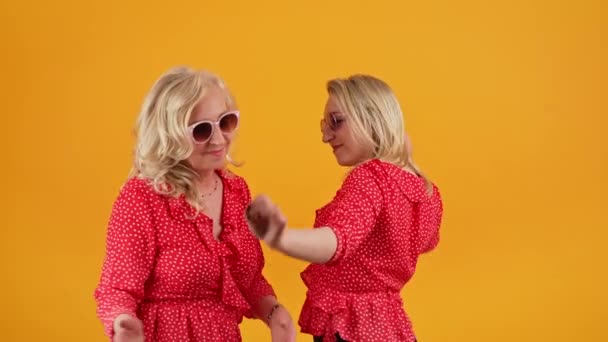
202, 131
334, 122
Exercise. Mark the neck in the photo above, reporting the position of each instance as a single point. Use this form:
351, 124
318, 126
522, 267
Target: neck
205, 178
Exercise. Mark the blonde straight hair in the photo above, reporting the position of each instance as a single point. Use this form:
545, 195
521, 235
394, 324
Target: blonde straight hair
163, 141
377, 119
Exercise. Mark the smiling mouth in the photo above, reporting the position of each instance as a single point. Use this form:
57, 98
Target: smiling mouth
216, 151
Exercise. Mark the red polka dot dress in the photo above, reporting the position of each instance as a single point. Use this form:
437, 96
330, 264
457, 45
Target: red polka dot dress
383, 219
165, 267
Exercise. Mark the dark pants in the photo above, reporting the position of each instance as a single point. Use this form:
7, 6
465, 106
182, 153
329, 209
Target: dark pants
338, 338
320, 338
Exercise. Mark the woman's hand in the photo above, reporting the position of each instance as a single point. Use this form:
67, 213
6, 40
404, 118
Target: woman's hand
281, 326
266, 220
128, 329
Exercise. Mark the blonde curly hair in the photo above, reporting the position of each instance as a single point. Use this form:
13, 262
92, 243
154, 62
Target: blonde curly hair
163, 142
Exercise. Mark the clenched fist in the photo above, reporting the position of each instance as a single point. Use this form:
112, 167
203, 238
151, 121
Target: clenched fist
266, 220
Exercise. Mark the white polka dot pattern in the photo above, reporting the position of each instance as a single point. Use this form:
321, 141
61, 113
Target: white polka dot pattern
383, 219
167, 268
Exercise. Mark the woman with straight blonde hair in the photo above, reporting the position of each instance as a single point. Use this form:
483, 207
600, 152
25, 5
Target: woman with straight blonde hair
366, 242
181, 263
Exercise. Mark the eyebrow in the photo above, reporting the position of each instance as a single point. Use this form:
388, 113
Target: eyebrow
217, 118
228, 110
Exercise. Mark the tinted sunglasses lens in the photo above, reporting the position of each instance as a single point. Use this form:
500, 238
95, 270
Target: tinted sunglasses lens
335, 122
229, 122
202, 132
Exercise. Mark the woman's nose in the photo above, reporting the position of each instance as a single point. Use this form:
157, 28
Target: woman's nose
217, 137
327, 134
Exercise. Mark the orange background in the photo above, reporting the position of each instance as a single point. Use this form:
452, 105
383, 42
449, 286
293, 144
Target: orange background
502, 100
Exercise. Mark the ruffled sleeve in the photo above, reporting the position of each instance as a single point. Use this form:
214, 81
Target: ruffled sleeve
353, 211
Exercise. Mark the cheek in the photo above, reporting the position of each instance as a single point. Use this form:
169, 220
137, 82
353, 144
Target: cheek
343, 136
197, 150
348, 139
228, 138
356, 149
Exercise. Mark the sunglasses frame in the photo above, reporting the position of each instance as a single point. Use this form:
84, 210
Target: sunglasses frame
336, 123
214, 124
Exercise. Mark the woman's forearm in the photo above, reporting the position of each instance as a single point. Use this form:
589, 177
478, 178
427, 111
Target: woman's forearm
313, 245
264, 306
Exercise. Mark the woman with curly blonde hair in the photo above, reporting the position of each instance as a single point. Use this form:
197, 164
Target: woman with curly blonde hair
181, 263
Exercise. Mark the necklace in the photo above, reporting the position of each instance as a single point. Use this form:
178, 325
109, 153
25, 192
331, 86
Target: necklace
212, 191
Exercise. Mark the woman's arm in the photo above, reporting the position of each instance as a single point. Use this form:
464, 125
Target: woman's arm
313, 245
343, 224
130, 250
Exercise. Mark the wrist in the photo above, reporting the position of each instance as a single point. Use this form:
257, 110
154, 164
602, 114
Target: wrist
280, 243
273, 311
